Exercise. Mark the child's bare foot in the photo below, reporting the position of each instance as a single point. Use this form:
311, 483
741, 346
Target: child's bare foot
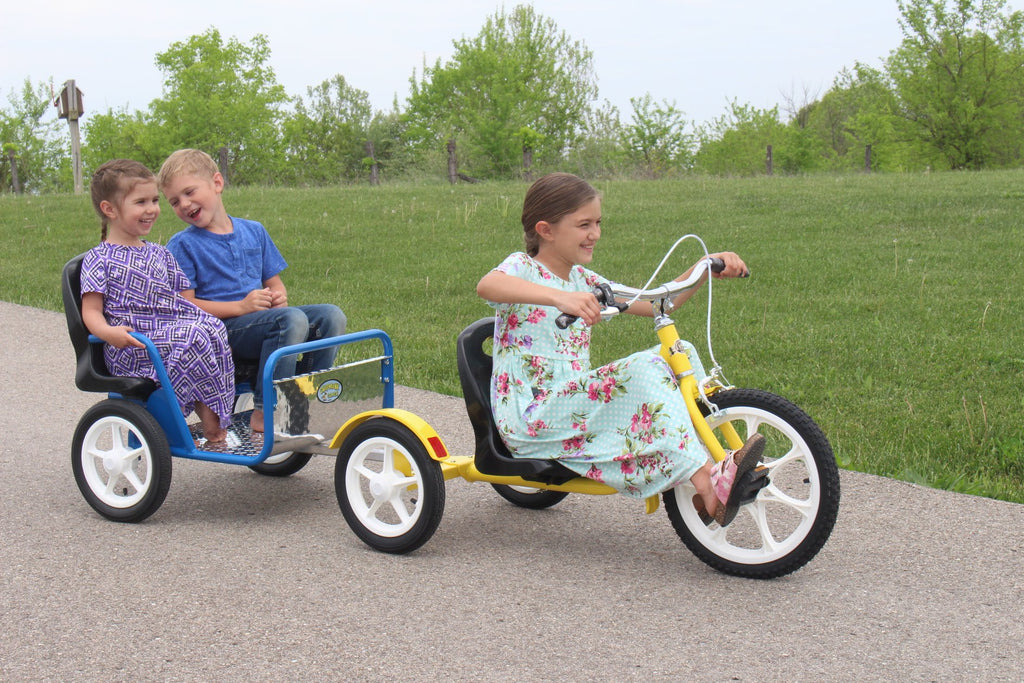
256, 421
217, 436
212, 430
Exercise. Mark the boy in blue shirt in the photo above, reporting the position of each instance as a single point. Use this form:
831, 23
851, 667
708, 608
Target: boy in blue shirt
234, 268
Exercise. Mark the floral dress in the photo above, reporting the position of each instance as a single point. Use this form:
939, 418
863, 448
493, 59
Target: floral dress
624, 424
140, 288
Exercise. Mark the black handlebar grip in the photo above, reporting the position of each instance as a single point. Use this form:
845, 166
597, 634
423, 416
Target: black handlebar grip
717, 265
563, 321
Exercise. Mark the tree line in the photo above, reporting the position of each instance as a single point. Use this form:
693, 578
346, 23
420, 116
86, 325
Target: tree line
521, 98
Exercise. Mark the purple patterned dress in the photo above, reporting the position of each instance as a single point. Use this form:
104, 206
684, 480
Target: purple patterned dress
140, 288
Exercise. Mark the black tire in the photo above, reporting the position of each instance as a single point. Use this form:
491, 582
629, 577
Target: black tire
788, 522
389, 489
121, 460
533, 499
282, 464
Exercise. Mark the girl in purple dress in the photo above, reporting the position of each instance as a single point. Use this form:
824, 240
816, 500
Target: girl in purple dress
131, 285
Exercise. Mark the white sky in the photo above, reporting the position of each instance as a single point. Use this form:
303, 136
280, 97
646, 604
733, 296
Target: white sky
699, 54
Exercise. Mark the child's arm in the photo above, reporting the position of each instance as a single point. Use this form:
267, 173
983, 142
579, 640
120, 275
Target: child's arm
502, 288
95, 322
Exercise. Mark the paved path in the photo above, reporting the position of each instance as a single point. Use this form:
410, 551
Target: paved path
249, 578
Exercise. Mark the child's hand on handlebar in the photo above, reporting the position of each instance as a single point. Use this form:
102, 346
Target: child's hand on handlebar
583, 305
734, 265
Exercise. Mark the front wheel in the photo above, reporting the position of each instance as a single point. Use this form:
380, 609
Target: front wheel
389, 489
788, 522
121, 460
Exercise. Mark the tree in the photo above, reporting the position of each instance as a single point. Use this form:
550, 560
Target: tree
858, 110
656, 137
325, 138
519, 76
599, 150
735, 143
959, 75
33, 150
218, 94
118, 134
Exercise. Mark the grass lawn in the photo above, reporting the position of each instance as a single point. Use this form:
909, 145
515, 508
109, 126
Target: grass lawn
887, 306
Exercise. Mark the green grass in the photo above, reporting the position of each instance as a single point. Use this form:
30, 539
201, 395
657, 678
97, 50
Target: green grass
887, 306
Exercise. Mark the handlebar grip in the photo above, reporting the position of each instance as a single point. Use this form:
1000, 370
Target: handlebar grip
563, 321
717, 265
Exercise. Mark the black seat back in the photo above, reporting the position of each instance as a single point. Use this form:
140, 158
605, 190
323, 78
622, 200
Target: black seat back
91, 373
492, 456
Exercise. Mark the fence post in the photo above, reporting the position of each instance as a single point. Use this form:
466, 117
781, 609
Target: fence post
15, 181
453, 166
374, 170
768, 160
527, 163
867, 158
222, 162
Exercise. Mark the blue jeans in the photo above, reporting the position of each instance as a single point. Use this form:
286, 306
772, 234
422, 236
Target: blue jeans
254, 336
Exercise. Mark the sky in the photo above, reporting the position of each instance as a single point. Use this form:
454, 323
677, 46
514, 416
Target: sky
699, 55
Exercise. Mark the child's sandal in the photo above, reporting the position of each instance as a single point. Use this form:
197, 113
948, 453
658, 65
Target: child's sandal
725, 474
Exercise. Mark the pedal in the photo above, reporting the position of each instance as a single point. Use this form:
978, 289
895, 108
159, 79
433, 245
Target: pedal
751, 483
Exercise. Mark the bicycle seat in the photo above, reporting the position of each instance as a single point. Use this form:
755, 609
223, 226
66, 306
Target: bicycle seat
492, 456
91, 373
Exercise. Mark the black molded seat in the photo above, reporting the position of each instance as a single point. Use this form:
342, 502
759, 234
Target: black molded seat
492, 456
91, 373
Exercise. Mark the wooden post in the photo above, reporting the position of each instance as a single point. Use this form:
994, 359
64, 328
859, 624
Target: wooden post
768, 160
222, 163
867, 158
15, 181
374, 170
453, 166
527, 163
69, 106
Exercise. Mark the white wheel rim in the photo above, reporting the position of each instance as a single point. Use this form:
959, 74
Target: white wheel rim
117, 462
384, 499
781, 516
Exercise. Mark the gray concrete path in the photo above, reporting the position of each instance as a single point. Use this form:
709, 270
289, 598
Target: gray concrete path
240, 577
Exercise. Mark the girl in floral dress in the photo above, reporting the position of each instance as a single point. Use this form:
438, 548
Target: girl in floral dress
624, 424
131, 285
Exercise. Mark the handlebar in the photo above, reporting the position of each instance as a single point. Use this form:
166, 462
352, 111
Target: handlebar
606, 293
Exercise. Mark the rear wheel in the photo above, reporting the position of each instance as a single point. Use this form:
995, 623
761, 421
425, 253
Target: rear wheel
389, 489
525, 497
788, 522
121, 460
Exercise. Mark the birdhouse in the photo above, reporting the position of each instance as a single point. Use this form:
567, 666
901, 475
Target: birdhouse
69, 102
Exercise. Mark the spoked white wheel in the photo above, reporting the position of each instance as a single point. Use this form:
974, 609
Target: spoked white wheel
789, 521
121, 460
388, 488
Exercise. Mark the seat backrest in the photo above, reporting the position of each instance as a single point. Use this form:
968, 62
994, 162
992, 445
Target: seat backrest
91, 373
475, 367
492, 456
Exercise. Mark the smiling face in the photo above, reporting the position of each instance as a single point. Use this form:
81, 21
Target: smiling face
571, 239
196, 199
131, 218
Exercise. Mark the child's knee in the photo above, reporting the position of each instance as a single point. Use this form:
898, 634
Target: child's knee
294, 325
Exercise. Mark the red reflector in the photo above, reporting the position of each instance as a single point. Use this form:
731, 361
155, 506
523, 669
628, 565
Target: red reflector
439, 449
